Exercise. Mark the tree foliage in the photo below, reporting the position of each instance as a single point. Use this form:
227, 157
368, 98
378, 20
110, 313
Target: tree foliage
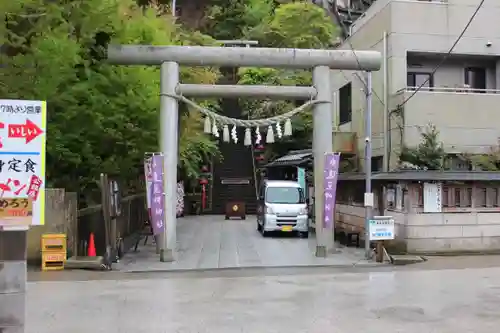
299, 24
101, 118
290, 25
489, 161
230, 20
429, 154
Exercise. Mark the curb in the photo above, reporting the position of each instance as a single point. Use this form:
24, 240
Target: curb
226, 269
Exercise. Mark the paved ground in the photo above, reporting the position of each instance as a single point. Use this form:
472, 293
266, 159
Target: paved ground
209, 242
409, 301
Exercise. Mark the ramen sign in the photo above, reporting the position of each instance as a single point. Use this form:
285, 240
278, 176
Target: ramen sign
16, 211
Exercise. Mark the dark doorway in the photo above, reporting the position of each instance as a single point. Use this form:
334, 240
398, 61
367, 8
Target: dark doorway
475, 78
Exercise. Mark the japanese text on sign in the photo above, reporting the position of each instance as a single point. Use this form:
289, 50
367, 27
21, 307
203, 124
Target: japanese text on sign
29, 107
381, 228
157, 195
22, 154
330, 173
16, 212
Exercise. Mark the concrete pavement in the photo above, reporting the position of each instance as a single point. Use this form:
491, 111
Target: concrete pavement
409, 301
210, 242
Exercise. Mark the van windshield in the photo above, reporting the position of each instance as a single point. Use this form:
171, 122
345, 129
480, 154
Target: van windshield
284, 195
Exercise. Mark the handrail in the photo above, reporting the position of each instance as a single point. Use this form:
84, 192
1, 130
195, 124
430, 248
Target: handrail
457, 90
98, 207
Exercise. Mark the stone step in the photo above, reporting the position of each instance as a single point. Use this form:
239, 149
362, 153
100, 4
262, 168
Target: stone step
406, 259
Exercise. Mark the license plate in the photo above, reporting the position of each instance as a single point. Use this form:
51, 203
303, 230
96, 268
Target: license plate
287, 228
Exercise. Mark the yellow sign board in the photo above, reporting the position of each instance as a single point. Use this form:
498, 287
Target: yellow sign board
16, 211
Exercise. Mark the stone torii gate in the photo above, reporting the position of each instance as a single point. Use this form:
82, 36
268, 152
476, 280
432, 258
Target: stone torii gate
170, 57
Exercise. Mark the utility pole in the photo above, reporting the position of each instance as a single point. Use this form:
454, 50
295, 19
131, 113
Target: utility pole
368, 163
174, 8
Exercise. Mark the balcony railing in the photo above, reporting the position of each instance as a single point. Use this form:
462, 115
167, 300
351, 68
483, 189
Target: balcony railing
458, 90
467, 118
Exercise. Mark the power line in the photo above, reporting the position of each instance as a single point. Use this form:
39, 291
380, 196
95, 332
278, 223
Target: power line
359, 77
351, 47
447, 55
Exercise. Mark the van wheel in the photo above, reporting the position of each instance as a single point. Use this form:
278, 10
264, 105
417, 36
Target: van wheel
304, 234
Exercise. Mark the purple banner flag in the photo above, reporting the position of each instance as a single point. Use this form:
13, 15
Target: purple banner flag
157, 195
330, 173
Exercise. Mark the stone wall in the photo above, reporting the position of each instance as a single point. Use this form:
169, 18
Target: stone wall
463, 231
60, 217
352, 217
453, 232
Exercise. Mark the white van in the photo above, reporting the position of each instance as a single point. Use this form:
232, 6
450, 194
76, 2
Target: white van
282, 207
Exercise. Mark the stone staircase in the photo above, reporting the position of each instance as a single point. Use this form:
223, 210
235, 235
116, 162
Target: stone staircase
234, 175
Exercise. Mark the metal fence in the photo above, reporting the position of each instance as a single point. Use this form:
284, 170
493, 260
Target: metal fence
92, 220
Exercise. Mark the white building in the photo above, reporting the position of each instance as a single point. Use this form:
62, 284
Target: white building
461, 98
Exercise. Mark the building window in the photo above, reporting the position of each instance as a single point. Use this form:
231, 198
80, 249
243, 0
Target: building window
345, 105
420, 195
358, 194
377, 163
481, 197
475, 78
457, 197
445, 197
391, 197
468, 197
416, 79
494, 197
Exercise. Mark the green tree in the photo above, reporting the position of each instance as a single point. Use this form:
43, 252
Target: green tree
429, 154
299, 24
293, 25
489, 161
101, 118
229, 20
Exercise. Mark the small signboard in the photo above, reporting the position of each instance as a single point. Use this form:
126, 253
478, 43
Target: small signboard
23, 126
16, 211
381, 228
432, 198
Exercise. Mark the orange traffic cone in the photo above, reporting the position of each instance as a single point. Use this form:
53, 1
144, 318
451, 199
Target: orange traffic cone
91, 249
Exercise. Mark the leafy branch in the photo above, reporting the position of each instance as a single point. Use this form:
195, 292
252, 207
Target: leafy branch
428, 155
